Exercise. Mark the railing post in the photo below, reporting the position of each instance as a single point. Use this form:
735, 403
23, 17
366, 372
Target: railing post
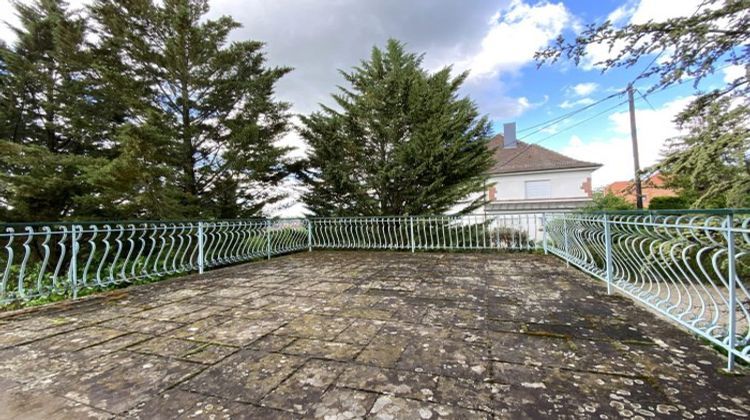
544, 232
73, 262
608, 248
565, 239
200, 248
309, 235
411, 232
268, 239
731, 260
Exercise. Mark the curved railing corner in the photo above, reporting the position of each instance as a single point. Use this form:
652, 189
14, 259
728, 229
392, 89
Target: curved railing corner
690, 266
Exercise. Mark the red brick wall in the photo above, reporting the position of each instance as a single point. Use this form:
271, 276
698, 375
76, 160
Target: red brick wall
586, 187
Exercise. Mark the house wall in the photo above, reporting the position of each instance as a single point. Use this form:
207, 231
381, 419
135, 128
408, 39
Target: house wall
567, 184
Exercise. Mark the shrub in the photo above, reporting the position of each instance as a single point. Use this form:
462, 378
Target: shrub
608, 201
668, 203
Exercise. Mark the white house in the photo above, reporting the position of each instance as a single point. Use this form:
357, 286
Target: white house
530, 178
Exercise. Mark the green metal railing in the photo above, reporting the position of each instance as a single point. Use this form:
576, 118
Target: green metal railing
39, 260
691, 266
423, 233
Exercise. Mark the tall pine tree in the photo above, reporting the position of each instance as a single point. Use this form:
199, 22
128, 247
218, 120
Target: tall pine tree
711, 162
52, 129
400, 142
205, 120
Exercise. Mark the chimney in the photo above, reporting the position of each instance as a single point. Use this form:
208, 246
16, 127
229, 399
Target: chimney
509, 136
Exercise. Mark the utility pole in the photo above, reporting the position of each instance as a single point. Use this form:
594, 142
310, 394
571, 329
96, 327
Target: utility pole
634, 139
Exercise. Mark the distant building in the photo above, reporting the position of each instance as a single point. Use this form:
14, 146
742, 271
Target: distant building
650, 188
530, 178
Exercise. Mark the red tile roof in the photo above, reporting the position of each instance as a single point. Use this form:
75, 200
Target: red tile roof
650, 188
527, 157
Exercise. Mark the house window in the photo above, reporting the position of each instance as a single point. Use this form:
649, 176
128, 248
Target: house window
538, 189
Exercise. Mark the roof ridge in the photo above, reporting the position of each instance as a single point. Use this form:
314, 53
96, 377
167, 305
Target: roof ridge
531, 157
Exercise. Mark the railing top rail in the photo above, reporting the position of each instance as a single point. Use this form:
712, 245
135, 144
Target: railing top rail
134, 221
706, 212
423, 216
712, 212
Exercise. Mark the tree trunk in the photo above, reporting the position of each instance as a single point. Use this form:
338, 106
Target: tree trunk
191, 186
49, 113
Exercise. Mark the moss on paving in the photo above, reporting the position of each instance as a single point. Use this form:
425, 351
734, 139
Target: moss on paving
362, 334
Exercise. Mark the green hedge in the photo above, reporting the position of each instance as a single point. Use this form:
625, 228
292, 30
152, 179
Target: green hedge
668, 203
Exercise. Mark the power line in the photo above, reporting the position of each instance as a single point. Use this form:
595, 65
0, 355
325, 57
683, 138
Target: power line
545, 124
551, 122
608, 110
548, 123
644, 98
618, 93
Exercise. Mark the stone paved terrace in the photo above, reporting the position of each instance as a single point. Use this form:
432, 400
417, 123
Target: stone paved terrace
362, 334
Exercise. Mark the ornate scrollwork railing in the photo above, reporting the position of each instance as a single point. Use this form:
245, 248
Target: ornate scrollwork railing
40, 260
693, 267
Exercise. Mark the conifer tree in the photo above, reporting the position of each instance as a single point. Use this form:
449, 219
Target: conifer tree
205, 121
712, 160
401, 141
51, 129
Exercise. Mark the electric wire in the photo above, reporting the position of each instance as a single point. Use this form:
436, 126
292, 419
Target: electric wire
528, 145
545, 124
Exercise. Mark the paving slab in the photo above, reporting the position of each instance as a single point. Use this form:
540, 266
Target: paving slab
354, 335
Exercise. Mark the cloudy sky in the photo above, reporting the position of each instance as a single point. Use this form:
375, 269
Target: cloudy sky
493, 39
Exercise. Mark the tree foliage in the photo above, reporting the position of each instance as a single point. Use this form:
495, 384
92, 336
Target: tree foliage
668, 203
136, 108
713, 158
51, 128
714, 36
208, 104
606, 200
400, 141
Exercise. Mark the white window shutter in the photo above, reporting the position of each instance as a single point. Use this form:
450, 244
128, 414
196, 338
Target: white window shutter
538, 189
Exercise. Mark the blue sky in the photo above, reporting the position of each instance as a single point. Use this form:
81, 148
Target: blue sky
492, 39
553, 90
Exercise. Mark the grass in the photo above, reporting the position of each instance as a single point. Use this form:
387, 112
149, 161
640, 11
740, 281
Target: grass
85, 291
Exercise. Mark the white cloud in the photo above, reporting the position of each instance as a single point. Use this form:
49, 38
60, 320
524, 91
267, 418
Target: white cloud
636, 13
319, 40
514, 34
733, 73
525, 104
10, 18
584, 89
575, 141
615, 151
622, 13
494, 57
567, 104
491, 39
660, 10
